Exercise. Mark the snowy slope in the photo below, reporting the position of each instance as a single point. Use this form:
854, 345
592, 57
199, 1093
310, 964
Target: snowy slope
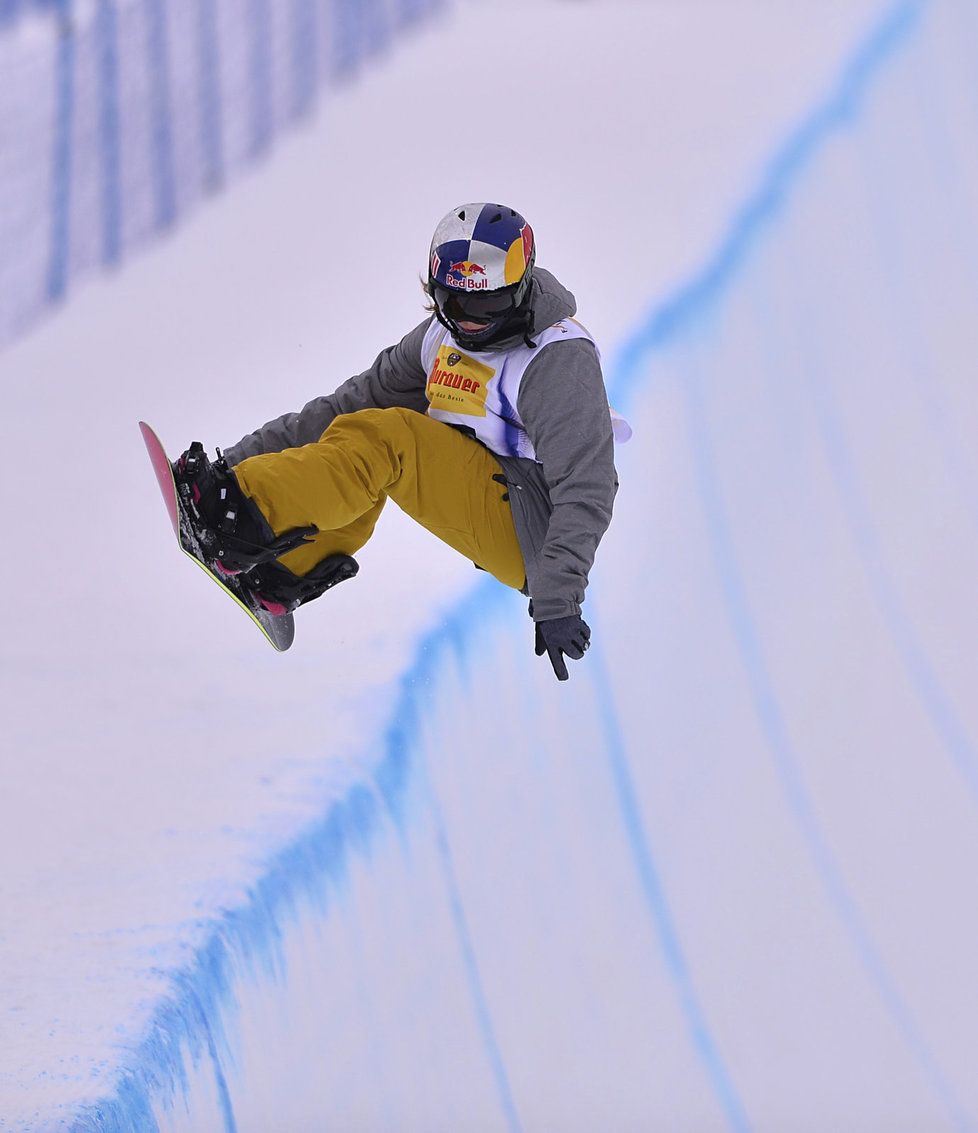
714, 881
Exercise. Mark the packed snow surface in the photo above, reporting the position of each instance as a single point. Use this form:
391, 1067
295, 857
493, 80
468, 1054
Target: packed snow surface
398, 878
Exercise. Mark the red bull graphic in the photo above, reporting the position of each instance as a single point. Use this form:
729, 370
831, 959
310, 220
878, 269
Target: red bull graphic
468, 275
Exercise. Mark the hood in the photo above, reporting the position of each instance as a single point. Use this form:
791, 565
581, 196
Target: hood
550, 300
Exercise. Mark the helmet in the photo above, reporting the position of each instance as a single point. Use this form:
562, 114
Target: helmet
479, 275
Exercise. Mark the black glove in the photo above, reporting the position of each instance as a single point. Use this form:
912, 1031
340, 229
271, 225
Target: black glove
558, 636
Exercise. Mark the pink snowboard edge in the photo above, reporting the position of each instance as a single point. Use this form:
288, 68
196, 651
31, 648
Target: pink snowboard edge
164, 474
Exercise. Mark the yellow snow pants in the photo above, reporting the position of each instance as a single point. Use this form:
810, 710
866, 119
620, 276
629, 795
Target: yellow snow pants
440, 477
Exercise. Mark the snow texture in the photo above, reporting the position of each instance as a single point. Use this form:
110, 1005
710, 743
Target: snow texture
399, 878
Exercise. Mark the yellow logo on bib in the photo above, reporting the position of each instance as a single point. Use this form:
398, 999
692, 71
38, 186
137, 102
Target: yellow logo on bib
457, 383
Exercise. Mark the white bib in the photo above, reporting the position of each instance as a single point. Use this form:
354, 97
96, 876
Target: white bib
480, 389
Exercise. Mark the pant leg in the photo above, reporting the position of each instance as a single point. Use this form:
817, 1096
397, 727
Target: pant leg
441, 478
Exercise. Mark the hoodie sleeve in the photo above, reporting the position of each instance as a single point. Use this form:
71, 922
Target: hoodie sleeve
397, 378
564, 408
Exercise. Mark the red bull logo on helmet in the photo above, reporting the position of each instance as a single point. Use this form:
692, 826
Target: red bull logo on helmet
467, 275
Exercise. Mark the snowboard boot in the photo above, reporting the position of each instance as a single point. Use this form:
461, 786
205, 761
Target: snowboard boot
232, 534
279, 591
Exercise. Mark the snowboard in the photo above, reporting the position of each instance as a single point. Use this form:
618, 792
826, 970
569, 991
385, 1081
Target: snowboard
278, 629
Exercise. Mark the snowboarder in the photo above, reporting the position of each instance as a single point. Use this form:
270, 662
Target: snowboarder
488, 424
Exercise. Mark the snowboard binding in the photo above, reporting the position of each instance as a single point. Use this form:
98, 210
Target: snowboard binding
279, 591
227, 526
229, 534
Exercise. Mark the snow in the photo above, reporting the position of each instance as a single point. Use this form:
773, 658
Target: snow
398, 877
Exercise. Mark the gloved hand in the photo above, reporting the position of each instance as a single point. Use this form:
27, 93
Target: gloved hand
570, 635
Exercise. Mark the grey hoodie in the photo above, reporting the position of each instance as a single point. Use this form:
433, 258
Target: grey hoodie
561, 501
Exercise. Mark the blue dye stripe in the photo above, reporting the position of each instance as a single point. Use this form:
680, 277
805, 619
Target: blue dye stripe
474, 978
220, 1081
9, 12
410, 10
485, 600
260, 85
201, 994
926, 369
161, 131
663, 326
937, 704
210, 110
961, 240
60, 193
376, 31
771, 718
345, 35
106, 35
702, 1039
304, 56
783, 172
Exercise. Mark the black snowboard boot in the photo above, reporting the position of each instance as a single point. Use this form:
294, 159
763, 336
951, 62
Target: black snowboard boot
229, 528
279, 591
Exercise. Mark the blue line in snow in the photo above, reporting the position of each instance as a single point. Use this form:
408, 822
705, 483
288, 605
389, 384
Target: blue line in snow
191, 1018
108, 100
486, 600
304, 33
262, 113
9, 12
376, 30
161, 132
476, 990
663, 326
657, 902
57, 276
842, 465
347, 30
210, 109
783, 172
771, 718
961, 240
220, 1081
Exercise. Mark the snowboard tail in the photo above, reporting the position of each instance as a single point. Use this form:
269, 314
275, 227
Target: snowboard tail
279, 628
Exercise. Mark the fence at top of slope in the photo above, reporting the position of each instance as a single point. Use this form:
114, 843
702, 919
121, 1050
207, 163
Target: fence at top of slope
117, 116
